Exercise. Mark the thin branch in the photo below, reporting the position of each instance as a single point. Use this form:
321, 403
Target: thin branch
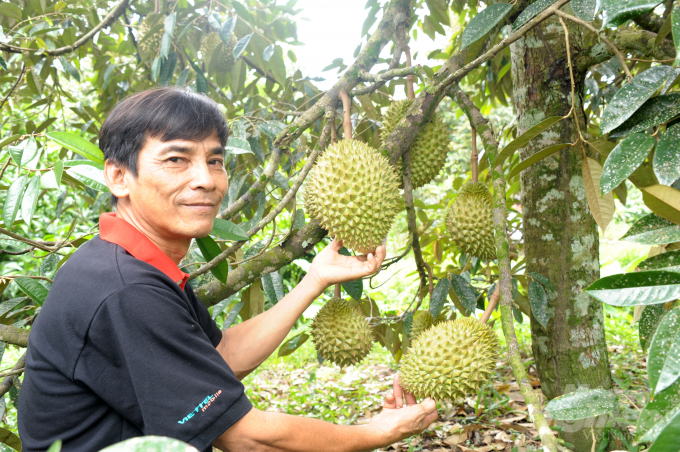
28, 241
287, 112
11, 90
474, 158
411, 220
613, 48
410, 92
346, 115
8, 381
493, 301
256, 188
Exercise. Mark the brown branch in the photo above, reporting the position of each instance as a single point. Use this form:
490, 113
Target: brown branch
13, 335
28, 241
613, 48
11, 90
346, 115
256, 188
474, 158
286, 112
493, 301
411, 220
8, 381
410, 92
107, 21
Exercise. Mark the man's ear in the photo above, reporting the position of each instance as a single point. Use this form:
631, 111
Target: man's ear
115, 179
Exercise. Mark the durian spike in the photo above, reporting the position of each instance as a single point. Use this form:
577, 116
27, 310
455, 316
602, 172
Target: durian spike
474, 157
493, 301
346, 115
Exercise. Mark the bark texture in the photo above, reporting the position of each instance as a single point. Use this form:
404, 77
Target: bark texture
561, 237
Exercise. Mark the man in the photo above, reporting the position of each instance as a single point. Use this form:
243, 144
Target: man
122, 346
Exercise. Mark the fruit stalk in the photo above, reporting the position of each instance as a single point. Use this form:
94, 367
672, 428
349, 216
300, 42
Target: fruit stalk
410, 92
346, 115
474, 157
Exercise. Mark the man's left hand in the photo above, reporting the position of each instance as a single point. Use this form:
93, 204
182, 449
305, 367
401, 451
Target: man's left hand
330, 267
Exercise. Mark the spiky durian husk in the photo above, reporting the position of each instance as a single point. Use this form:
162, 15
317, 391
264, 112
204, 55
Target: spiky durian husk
450, 361
353, 191
341, 334
218, 56
151, 44
470, 221
429, 148
422, 320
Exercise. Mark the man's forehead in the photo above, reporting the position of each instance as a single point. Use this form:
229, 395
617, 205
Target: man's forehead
211, 145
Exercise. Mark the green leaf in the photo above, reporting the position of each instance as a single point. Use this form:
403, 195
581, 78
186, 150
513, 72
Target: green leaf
543, 280
58, 171
201, 82
649, 320
166, 41
150, 443
624, 159
665, 433
238, 146
9, 438
663, 365
272, 284
354, 289
55, 447
9, 9
669, 259
617, 12
77, 144
653, 230
10, 139
210, 250
228, 231
30, 200
438, 298
661, 405
231, 317
222, 305
156, 68
539, 303
657, 110
182, 78
584, 9
638, 288
90, 176
227, 29
465, 292
537, 157
71, 163
31, 287
582, 405
13, 199
292, 344
663, 201
675, 25
531, 11
483, 22
524, 139
241, 45
169, 23
666, 162
632, 96
167, 69
30, 151
268, 52
69, 68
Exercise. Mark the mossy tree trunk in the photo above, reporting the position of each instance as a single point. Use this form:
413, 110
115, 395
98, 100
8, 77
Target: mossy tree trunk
560, 235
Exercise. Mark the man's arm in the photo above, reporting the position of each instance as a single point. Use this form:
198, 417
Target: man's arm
246, 345
260, 431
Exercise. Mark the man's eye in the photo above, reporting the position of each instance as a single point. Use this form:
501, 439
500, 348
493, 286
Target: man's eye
218, 162
175, 159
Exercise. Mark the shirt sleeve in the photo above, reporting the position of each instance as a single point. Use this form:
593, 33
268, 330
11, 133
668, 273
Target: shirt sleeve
147, 357
204, 319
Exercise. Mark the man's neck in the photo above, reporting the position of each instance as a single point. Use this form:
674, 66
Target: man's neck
175, 249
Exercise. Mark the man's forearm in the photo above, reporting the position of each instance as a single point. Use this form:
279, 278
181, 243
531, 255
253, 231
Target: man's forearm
246, 345
261, 431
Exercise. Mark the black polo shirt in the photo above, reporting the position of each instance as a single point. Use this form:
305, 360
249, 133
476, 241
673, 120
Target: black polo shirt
122, 348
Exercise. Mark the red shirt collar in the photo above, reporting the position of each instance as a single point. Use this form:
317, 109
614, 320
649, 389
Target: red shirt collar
118, 231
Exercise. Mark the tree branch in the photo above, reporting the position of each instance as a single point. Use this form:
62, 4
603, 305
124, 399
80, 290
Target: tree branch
13, 335
503, 251
11, 90
411, 219
8, 381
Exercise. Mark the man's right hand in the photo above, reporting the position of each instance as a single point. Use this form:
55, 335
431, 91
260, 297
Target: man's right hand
401, 416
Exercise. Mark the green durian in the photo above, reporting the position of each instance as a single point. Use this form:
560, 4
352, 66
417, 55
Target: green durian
470, 221
149, 44
218, 56
341, 333
450, 361
422, 320
429, 148
354, 192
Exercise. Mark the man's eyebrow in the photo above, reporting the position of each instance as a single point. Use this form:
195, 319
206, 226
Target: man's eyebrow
186, 149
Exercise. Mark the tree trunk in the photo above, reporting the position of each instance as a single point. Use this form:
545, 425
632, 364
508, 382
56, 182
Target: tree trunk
561, 237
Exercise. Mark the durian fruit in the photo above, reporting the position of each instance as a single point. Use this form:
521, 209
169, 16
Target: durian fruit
429, 148
341, 333
450, 361
422, 320
149, 45
218, 56
353, 191
470, 221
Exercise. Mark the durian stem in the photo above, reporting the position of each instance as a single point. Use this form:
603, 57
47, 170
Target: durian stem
346, 115
410, 92
505, 276
474, 157
493, 301
338, 291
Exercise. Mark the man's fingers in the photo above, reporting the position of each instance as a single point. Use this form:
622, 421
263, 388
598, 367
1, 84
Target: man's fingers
398, 392
390, 402
336, 244
410, 398
380, 253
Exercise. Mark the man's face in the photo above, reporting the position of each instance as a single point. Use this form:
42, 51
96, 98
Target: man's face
179, 186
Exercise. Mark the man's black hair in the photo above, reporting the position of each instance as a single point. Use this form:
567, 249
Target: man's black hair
169, 113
